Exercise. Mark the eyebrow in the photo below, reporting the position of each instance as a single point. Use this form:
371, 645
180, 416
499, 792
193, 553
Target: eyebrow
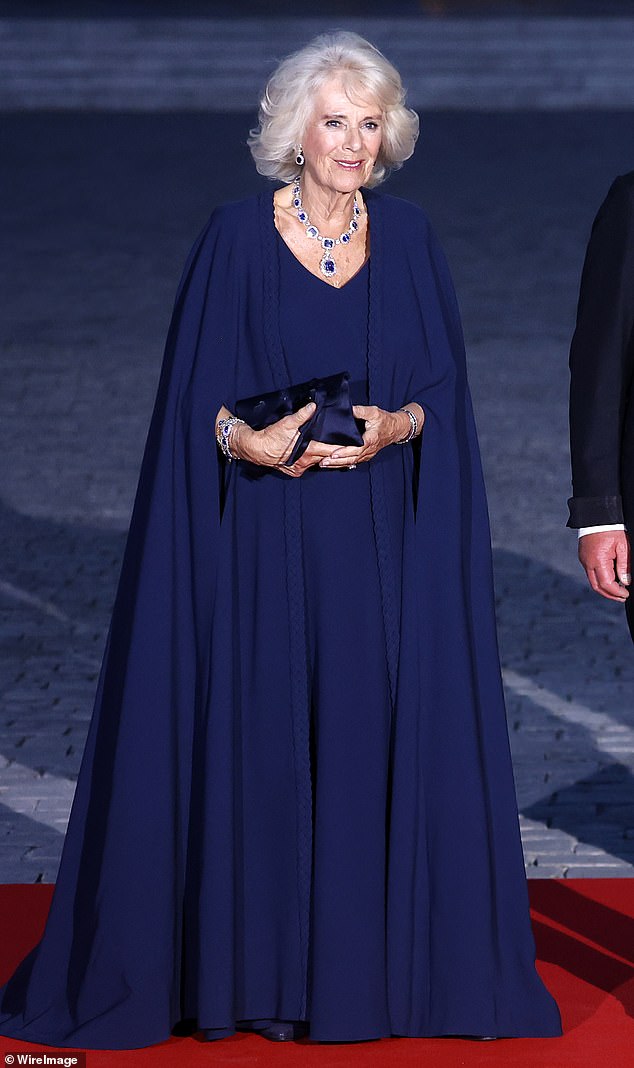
342, 115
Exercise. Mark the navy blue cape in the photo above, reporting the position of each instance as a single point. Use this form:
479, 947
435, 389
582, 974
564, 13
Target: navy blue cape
148, 871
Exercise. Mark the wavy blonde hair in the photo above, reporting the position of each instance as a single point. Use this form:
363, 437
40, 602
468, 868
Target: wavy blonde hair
287, 103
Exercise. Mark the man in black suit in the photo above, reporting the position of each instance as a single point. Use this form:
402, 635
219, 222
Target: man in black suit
601, 405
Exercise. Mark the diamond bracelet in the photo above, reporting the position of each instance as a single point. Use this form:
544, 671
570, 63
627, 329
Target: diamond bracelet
223, 430
413, 427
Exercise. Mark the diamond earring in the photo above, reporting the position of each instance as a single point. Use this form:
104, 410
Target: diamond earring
299, 158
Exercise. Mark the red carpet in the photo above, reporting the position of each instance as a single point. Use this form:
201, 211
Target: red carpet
585, 939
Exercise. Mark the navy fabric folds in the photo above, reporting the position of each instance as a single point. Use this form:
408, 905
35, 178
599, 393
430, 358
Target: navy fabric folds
157, 912
332, 421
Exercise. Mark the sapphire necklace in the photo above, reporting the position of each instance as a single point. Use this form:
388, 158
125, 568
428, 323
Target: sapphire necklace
328, 267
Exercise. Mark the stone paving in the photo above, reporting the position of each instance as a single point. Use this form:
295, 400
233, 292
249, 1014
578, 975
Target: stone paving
221, 64
100, 211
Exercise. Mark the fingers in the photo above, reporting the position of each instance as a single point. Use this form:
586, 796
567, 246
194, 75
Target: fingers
319, 453
338, 456
623, 560
311, 455
365, 411
317, 449
301, 415
603, 581
346, 455
292, 423
279, 438
599, 554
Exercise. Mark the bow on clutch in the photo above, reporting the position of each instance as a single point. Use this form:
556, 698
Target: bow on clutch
332, 421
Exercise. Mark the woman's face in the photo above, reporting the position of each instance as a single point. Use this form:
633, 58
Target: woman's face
342, 139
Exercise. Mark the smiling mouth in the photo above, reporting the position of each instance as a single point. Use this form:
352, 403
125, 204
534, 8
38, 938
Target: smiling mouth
350, 165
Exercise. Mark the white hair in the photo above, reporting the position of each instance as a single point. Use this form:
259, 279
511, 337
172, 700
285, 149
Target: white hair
287, 103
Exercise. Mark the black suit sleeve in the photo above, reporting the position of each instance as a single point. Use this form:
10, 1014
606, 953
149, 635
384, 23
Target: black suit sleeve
601, 358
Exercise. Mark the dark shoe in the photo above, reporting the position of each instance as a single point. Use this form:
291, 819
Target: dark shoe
284, 1031
211, 1034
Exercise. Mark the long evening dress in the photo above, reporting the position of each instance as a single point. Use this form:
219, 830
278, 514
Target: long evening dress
296, 800
323, 330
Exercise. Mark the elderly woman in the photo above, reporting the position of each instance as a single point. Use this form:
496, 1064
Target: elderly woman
296, 811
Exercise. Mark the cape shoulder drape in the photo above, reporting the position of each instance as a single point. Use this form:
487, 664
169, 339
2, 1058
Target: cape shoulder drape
148, 870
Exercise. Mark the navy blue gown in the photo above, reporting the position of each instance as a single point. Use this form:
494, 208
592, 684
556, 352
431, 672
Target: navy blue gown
296, 799
324, 330
348, 677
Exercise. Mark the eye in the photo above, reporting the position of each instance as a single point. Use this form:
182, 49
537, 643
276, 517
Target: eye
372, 125
333, 122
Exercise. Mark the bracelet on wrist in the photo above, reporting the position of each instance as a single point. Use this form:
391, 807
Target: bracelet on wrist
223, 432
413, 427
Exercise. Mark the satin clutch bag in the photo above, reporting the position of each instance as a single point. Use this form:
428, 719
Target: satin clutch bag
331, 422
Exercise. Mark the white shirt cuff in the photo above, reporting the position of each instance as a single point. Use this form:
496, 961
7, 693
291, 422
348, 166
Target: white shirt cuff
600, 529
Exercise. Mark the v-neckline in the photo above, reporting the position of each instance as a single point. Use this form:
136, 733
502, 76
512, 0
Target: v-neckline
322, 281
337, 289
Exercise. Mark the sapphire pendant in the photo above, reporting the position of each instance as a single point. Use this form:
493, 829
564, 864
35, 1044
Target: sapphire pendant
327, 265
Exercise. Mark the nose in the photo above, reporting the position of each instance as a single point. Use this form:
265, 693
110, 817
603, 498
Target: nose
352, 140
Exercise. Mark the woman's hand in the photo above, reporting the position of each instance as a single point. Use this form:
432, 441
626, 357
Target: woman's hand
381, 428
272, 445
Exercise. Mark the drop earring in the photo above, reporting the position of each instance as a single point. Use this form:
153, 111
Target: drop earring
299, 158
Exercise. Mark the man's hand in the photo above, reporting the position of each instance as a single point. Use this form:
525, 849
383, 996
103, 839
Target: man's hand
605, 558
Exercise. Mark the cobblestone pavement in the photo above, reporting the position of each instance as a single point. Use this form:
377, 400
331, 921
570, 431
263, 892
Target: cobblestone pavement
99, 214
221, 64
